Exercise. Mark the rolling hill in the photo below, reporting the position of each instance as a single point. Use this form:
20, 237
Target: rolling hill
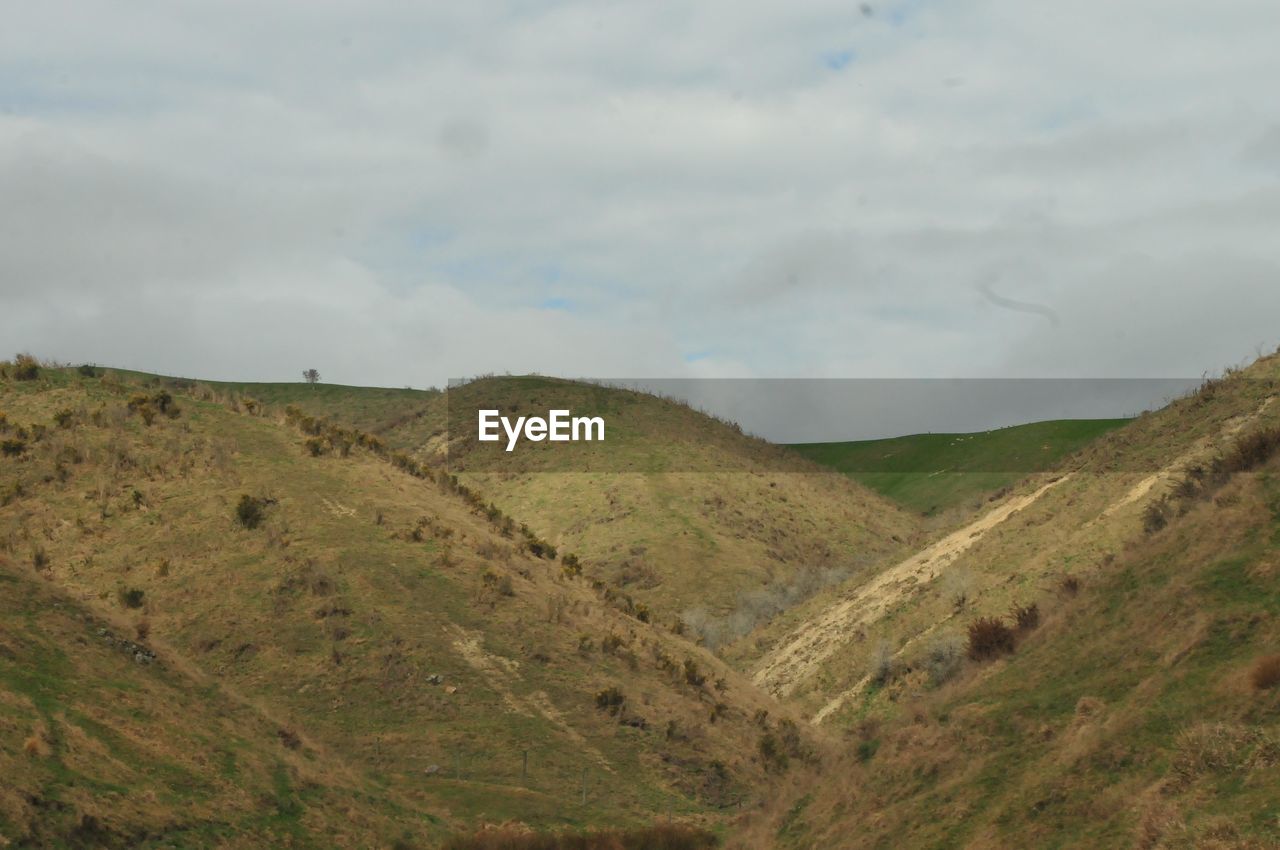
930, 473
377, 611
1123, 700
677, 510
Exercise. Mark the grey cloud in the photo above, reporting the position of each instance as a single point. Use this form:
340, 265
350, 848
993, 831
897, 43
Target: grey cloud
690, 178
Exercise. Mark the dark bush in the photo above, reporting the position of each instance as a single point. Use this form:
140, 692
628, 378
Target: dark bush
315, 446
12, 447
989, 637
62, 418
692, 675
772, 753
251, 511
131, 597
25, 368
1155, 517
1026, 617
1070, 585
668, 836
1253, 450
570, 565
87, 371
610, 699
1266, 673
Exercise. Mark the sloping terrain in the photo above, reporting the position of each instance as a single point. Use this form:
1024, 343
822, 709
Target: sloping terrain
676, 508
932, 473
1125, 699
376, 610
822, 650
105, 743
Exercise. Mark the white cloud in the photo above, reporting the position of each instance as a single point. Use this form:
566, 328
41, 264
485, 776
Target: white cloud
388, 191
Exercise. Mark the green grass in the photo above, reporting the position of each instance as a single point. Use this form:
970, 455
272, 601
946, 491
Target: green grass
932, 472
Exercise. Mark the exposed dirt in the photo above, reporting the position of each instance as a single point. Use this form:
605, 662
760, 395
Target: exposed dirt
785, 667
782, 670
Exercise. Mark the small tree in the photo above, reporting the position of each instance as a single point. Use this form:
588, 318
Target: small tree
312, 376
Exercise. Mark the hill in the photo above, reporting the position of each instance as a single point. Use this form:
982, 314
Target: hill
1084, 665
380, 611
931, 473
678, 509
106, 740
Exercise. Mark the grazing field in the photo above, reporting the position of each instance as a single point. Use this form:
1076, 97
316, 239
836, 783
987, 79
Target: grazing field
930, 473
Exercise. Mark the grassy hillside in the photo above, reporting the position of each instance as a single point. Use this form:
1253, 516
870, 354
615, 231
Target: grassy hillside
1130, 718
375, 610
105, 743
373, 409
929, 473
1130, 710
676, 508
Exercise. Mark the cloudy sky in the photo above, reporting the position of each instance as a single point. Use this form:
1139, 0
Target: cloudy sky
401, 192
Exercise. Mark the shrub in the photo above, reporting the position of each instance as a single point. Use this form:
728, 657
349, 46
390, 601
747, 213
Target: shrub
142, 629
1155, 517
942, 658
692, 675
12, 447
881, 668
772, 753
130, 597
867, 749
251, 511
1253, 450
85, 370
1026, 617
570, 565
610, 699
62, 418
500, 584
25, 368
988, 638
39, 559
666, 836
315, 446
1266, 672
611, 643
1070, 585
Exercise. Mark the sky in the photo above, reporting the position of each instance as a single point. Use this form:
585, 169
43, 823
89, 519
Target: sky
401, 193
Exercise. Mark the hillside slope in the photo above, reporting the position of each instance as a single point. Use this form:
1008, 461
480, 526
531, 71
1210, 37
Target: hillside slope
375, 609
1134, 708
929, 473
676, 508
104, 743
